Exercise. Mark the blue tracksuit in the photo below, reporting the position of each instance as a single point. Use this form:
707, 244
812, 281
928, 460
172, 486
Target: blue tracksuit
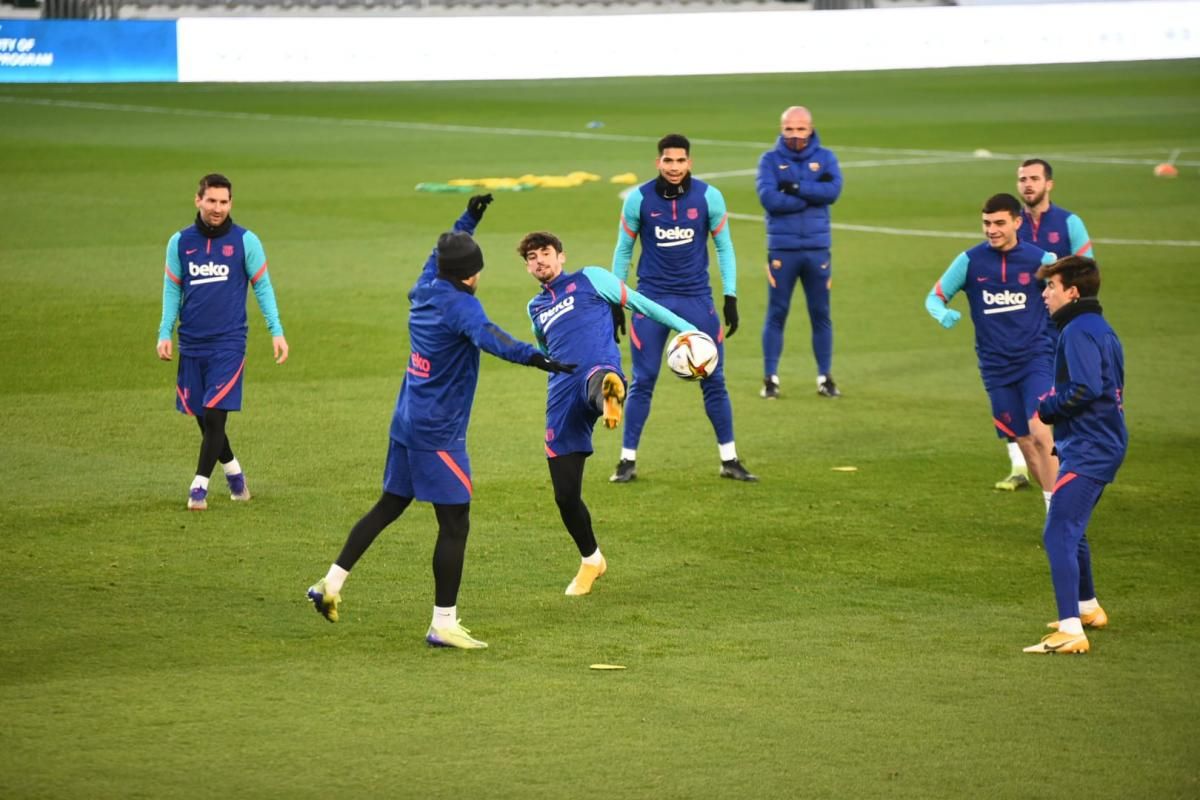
1012, 328
1013, 339
204, 288
673, 271
572, 322
447, 328
1087, 409
1058, 231
798, 243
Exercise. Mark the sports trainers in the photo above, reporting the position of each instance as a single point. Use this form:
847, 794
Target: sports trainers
626, 471
1094, 619
1018, 480
826, 387
198, 499
454, 636
325, 603
770, 389
587, 575
613, 392
237, 487
1061, 643
734, 469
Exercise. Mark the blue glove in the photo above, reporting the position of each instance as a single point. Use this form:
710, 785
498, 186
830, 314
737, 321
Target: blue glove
950, 318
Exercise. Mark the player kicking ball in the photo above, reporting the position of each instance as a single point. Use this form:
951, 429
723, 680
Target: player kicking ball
573, 320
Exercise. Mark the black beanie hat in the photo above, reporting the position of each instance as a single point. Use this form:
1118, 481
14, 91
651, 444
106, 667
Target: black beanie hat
458, 256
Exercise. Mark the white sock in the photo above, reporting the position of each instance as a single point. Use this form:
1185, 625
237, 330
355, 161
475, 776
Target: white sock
335, 578
1070, 625
594, 559
445, 617
232, 468
1046, 496
1088, 606
728, 451
200, 482
774, 379
1017, 458
628, 455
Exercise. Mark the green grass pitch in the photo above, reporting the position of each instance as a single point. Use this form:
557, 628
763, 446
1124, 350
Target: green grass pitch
819, 634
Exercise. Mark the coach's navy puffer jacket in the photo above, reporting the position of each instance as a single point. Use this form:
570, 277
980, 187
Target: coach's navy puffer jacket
799, 222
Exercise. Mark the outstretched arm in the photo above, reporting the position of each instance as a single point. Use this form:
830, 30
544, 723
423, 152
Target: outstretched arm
951, 282
616, 292
466, 223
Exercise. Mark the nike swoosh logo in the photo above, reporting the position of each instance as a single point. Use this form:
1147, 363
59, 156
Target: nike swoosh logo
981, 280
656, 213
189, 252
783, 166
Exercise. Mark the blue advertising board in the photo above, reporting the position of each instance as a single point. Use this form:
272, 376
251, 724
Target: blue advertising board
74, 51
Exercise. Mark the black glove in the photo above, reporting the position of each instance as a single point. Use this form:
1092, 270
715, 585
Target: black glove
618, 314
731, 315
790, 188
825, 178
1047, 419
549, 364
477, 205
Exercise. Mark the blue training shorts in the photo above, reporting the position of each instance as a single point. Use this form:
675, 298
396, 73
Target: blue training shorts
435, 476
1014, 404
210, 381
570, 416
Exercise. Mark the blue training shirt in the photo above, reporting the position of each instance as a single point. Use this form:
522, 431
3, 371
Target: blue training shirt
572, 317
674, 236
1058, 231
1012, 327
204, 288
447, 328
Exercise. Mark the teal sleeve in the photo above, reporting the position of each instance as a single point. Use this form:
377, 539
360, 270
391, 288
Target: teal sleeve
1081, 243
950, 284
172, 290
718, 225
631, 223
614, 290
256, 270
537, 335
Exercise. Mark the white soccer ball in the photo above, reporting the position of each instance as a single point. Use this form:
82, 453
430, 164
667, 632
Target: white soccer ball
692, 355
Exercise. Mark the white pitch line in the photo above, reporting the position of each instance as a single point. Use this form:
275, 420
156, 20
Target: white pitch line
842, 226
552, 134
927, 156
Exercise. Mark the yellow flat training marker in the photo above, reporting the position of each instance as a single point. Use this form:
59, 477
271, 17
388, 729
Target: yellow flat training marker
845, 469
606, 666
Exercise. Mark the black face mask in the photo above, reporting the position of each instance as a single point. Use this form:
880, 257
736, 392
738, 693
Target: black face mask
211, 232
670, 191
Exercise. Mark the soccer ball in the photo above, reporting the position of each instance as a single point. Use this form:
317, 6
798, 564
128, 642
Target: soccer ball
692, 355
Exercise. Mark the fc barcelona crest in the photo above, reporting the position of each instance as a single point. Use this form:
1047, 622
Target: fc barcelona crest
227, 250
571, 287
814, 166
693, 213
1053, 237
1023, 279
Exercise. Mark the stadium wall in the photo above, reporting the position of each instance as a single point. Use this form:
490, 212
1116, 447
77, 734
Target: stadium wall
351, 48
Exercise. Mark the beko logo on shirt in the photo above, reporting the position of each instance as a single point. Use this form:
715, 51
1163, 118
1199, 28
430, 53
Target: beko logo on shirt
207, 273
1003, 301
673, 237
547, 317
